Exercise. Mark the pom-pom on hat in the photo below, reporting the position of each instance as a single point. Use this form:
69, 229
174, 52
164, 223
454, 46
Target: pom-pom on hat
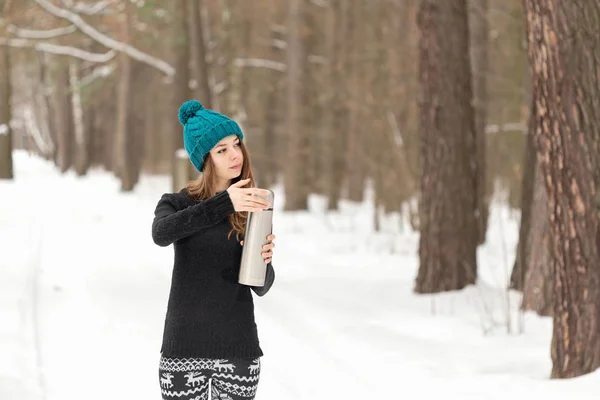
203, 129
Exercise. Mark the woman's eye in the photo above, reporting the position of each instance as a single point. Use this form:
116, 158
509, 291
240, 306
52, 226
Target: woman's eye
237, 144
221, 151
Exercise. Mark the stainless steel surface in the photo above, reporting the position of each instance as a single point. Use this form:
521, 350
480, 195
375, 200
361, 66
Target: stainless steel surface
259, 225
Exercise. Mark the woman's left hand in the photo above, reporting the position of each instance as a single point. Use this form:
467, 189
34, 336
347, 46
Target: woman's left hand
268, 248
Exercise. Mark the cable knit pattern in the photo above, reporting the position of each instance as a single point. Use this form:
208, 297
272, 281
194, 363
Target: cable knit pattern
209, 314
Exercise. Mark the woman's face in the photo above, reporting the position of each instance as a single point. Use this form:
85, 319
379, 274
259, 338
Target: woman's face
227, 158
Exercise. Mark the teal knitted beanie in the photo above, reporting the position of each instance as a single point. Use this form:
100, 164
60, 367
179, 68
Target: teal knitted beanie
203, 129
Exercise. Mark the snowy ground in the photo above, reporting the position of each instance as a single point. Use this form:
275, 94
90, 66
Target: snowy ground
83, 292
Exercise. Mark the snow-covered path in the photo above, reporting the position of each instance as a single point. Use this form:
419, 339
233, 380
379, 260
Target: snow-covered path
84, 290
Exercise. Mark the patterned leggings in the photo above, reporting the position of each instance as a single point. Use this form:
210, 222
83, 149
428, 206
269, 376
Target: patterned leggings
188, 378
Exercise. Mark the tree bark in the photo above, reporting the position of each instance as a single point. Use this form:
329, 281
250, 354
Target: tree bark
82, 136
539, 279
448, 238
123, 136
563, 38
530, 163
296, 169
355, 156
198, 53
479, 28
6, 162
63, 117
337, 140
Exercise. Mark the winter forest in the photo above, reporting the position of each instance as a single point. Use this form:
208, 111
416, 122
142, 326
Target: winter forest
434, 162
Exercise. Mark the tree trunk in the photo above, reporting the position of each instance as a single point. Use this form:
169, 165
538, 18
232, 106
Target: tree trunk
517, 278
337, 140
355, 156
123, 137
180, 91
198, 53
296, 185
63, 118
479, 28
6, 163
539, 279
448, 239
563, 39
82, 136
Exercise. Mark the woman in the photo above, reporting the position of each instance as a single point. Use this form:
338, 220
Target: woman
210, 334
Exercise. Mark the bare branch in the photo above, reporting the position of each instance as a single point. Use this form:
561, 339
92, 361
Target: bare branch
132, 52
58, 49
35, 34
100, 72
260, 63
90, 9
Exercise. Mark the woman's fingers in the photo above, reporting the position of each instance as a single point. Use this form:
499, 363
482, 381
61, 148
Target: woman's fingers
257, 203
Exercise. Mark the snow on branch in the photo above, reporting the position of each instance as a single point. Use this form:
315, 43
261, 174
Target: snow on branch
100, 72
58, 49
260, 63
47, 34
131, 51
90, 9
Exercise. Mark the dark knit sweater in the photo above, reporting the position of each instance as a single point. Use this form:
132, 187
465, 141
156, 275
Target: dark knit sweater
209, 314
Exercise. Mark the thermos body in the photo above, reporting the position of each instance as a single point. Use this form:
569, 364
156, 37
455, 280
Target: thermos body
259, 225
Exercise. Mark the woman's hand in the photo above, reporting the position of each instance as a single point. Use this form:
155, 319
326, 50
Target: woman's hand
268, 254
247, 199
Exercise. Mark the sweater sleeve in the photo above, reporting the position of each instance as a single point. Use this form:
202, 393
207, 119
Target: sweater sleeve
171, 224
269, 279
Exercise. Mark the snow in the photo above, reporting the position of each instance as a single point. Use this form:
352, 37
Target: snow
84, 291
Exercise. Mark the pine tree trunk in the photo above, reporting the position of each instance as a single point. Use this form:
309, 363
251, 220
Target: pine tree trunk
198, 53
517, 278
355, 157
563, 39
448, 239
479, 28
539, 278
180, 91
296, 185
6, 163
123, 137
64, 118
338, 135
82, 137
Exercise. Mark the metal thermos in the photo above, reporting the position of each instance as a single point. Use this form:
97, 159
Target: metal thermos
259, 225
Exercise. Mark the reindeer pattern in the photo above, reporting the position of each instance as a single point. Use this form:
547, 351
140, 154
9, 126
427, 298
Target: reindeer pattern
165, 380
231, 379
194, 378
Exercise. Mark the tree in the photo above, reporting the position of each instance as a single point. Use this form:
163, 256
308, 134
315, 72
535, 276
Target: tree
296, 171
532, 271
563, 38
479, 30
6, 163
448, 206
123, 136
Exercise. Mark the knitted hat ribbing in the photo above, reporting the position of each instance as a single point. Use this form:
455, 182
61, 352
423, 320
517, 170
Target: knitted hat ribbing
203, 129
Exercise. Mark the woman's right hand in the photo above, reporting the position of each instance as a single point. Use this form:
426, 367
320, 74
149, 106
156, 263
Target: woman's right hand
247, 199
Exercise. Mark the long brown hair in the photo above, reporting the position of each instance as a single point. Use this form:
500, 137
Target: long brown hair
206, 186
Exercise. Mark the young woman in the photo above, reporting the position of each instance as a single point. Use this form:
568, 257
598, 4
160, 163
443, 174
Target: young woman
210, 334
